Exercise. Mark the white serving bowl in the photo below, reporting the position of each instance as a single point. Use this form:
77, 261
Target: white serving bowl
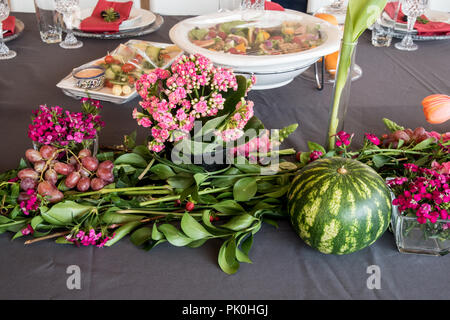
270, 71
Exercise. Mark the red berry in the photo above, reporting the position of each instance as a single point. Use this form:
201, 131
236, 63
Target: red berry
177, 203
190, 206
297, 156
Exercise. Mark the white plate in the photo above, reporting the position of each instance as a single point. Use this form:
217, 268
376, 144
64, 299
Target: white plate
138, 18
270, 71
432, 15
103, 94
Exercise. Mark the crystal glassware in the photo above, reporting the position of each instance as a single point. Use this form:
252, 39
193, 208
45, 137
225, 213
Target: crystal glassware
5, 53
413, 9
49, 21
229, 5
337, 7
383, 29
252, 9
413, 237
68, 8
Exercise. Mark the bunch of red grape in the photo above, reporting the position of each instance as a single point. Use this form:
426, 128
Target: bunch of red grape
407, 135
82, 171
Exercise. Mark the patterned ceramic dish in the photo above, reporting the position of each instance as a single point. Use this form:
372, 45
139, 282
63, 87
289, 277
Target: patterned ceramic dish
89, 77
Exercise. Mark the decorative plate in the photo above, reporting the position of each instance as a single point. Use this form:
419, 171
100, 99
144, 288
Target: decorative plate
124, 34
17, 32
139, 18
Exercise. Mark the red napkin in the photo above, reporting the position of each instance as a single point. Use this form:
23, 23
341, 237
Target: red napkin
273, 6
427, 29
9, 24
95, 23
269, 5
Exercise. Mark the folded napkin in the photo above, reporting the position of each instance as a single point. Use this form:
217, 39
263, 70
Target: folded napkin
273, 6
269, 5
95, 23
9, 24
423, 29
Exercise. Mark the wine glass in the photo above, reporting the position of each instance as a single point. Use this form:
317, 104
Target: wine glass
413, 9
67, 8
5, 53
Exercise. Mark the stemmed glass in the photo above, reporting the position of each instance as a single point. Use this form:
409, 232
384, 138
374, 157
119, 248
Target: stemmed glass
413, 9
5, 53
67, 8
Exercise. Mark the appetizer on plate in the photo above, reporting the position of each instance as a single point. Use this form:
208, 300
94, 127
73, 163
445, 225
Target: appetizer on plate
156, 55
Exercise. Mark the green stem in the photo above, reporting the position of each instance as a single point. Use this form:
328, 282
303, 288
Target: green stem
117, 190
146, 169
176, 197
12, 223
142, 211
284, 152
345, 61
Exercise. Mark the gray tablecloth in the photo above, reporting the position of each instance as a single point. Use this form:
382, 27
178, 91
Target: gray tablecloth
393, 85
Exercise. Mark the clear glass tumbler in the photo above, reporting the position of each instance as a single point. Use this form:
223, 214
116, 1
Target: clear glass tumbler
229, 5
49, 21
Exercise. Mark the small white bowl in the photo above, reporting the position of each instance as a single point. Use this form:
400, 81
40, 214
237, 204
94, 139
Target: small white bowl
270, 71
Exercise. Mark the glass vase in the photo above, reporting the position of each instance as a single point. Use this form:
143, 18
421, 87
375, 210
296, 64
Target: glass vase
341, 91
413, 237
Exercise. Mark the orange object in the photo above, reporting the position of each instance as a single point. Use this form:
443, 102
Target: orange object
327, 17
436, 108
241, 47
331, 62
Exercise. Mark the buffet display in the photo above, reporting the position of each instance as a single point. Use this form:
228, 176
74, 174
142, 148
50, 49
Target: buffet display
338, 199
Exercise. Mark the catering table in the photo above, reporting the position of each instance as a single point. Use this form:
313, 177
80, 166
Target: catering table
284, 267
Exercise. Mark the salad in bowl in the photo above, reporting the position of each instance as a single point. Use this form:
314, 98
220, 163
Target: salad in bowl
275, 47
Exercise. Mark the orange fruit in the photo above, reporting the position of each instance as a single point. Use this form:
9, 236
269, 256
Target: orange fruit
327, 17
331, 62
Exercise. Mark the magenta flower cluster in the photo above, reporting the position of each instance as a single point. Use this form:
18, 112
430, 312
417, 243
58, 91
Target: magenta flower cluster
31, 204
424, 192
373, 138
314, 155
173, 99
53, 125
90, 238
343, 138
27, 230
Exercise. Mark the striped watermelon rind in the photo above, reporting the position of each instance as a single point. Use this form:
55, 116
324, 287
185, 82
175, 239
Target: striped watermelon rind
339, 205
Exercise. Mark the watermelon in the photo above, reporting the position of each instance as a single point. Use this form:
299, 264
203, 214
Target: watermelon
339, 205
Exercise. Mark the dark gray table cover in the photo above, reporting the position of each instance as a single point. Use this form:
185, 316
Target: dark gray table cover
393, 85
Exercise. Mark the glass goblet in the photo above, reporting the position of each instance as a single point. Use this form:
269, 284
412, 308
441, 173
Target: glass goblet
5, 53
413, 9
67, 8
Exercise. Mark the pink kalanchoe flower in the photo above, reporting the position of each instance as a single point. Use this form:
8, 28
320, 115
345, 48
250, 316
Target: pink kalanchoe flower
443, 168
373, 138
191, 89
